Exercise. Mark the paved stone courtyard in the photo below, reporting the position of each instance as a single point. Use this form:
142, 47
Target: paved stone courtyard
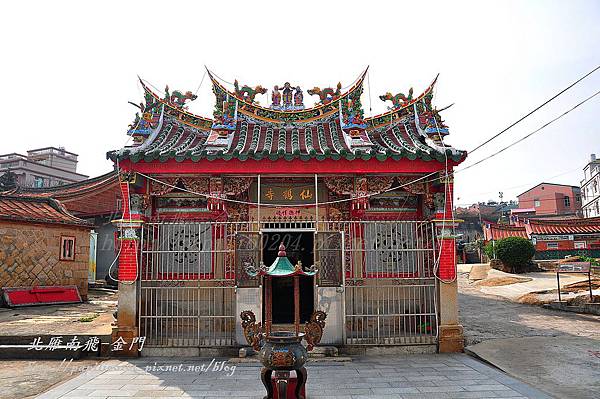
403, 376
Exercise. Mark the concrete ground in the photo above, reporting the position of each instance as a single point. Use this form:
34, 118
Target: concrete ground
89, 318
408, 376
28, 378
556, 351
538, 281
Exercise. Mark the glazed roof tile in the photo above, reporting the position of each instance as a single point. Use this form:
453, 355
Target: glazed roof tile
499, 231
556, 227
91, 197
253, 140
38, 210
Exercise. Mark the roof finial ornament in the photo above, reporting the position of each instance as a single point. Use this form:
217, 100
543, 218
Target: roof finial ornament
281, 252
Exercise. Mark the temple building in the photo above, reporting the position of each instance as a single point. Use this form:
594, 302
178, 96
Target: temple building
365, 201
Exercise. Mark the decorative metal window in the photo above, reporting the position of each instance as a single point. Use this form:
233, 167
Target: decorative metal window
389, 249
247, 258
552, 245
328, 254
185, 249
579, 244
67, 248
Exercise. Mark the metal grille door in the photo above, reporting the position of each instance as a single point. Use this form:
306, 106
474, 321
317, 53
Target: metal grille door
187, 293
390, 289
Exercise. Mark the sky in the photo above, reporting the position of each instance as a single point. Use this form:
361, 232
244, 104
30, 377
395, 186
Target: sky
68, 70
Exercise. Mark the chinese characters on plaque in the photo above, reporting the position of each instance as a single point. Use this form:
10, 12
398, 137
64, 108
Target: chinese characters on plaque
290, 194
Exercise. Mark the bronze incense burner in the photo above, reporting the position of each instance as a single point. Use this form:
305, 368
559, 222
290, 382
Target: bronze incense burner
282, 352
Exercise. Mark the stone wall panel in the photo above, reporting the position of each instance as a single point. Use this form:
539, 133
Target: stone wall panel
29, 255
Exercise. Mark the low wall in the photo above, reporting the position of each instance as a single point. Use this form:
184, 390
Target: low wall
561, 254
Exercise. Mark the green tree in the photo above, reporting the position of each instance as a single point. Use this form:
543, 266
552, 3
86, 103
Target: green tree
515, 252
8, 181
489, 250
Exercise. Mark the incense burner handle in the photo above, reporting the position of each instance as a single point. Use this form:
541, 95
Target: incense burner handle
314, 329
253, 331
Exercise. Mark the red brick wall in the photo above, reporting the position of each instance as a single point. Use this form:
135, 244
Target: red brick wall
128, 260
447, 269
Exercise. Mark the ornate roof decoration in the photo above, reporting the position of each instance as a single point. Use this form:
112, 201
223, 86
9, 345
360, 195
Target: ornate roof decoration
243, 129
283, 110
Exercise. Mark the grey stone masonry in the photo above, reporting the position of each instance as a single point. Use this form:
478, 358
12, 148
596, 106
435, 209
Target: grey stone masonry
407, 376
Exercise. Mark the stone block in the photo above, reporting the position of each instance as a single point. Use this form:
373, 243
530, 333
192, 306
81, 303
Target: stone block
451, 339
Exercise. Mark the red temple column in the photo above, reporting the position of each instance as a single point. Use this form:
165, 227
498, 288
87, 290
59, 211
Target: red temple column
129, 226
450, 331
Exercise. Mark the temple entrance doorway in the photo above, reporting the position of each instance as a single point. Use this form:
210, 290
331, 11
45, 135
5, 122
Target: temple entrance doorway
299, 247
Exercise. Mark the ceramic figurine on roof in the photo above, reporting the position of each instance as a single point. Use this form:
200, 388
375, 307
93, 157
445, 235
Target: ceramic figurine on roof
224, 112
276, 98
352, 111
429, 119
326, 95
287, 95
246, 93
225, 120
142, 126
298, 98
288, 98
398, 100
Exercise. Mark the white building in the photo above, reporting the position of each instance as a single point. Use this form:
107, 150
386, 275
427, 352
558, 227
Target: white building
43, 167
590, 188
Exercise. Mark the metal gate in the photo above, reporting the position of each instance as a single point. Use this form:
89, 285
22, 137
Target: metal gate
187, 287
390, 288
187, 294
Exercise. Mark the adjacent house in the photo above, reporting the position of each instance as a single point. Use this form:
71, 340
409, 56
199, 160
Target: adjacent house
590, 188
550, 200
42, 244
97, 201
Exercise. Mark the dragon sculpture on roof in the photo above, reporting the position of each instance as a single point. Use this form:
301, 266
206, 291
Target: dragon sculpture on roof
247, 93
398, 100
326, 95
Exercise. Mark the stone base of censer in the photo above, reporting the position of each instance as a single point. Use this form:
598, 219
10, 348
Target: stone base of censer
292, 383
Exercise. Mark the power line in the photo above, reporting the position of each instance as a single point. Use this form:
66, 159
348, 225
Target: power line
532, 183
530, 134
535, 109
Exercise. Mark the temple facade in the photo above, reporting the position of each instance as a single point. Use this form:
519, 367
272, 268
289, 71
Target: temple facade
365, 201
